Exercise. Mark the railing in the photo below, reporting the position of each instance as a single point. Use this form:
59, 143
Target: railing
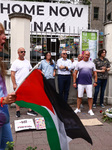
41, 42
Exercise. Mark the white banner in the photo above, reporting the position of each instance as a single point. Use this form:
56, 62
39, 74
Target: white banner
48, 17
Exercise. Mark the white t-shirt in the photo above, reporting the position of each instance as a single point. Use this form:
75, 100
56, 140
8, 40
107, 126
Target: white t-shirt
22, 68
74, 65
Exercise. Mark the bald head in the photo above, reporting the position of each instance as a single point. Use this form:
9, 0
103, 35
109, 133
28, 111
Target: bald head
64, 54
21, 49
64, 51
80, 57
21, 53
87, 52
86, 55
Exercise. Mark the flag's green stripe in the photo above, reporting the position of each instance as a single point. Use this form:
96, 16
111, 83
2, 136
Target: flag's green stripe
52, 134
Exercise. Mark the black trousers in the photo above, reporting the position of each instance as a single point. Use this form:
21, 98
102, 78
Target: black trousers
52, 83
64, 85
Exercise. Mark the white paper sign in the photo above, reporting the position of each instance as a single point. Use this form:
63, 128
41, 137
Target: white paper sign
42, 57
53, 53
24, 124
62, 45
53, 40
68, 52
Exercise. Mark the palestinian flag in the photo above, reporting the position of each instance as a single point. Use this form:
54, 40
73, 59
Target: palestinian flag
62, 124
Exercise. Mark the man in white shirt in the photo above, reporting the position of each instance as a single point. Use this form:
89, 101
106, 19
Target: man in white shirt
19, 70
64, 75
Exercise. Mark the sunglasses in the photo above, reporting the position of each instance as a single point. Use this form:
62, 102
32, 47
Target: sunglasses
64, 53
23, 51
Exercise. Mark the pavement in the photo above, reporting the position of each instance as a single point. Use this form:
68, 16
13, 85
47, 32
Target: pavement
101, 135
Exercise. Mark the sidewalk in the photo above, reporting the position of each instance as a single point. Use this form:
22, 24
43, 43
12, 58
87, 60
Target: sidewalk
101, 135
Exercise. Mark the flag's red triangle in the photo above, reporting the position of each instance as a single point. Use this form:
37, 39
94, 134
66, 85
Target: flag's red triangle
32, 90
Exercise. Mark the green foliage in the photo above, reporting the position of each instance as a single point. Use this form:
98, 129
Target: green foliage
10, 146
31, 148
106, 118
86, 2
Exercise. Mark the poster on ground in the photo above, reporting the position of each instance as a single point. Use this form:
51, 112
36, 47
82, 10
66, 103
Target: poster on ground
89, 41
40, 123
24, 124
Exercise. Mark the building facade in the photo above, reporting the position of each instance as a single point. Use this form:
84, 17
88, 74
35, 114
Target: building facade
108, 10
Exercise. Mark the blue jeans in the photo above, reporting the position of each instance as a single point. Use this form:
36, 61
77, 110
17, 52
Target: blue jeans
101, 84
64, 86
5, 135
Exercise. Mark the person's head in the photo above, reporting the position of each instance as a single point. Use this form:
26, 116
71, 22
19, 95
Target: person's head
64, 54
86, 55
80, 57
2, 37
21, 53
48, 55
102, 53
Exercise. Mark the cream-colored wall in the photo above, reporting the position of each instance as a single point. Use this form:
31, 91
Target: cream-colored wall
108, 39
8, 82
20, 37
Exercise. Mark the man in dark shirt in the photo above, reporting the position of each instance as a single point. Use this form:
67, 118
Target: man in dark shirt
102, 67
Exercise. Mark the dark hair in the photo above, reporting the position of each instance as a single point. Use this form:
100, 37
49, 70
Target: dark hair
2, 67
101, 51
51, 62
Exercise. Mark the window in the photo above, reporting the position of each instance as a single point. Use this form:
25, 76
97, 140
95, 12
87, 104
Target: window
109, 16
96, 12
88, 25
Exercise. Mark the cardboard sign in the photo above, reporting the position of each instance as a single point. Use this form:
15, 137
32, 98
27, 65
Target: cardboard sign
24, 124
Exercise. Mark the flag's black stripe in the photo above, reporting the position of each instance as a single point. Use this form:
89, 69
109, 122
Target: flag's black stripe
73, 126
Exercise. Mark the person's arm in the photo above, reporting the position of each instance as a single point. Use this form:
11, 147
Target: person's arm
11, 98
59, 65
108, 69
54, 73
97, 70
103, 69
13, 79
95, 78
74, 78
100, 70
69, 66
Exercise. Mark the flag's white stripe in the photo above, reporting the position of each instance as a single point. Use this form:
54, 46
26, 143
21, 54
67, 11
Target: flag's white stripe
64, 139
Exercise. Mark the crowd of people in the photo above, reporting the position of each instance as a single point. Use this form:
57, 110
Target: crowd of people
82, 70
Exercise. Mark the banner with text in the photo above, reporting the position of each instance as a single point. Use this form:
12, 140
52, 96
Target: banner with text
48, 17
